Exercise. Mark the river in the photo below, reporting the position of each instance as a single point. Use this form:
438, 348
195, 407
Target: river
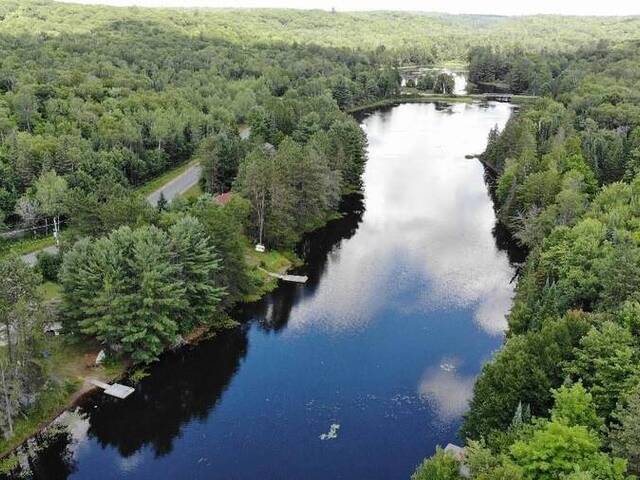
361, 372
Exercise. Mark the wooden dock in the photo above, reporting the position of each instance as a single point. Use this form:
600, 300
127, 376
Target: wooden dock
115, 390
287, 278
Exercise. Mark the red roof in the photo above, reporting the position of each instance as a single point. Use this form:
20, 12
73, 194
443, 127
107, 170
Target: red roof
223, 198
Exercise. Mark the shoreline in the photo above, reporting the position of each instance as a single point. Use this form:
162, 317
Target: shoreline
433, 98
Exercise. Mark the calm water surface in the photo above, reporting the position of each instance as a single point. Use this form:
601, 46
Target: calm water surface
405, 302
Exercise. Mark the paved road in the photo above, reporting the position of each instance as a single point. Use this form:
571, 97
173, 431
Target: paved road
177, 186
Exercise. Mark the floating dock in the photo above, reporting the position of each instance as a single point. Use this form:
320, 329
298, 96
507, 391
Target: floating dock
293, 278
287, 278
115, 390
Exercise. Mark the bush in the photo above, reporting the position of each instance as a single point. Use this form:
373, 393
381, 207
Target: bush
48, 265
439, 467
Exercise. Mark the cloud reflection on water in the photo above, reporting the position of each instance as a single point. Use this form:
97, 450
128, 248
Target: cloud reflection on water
432, 236
447, 391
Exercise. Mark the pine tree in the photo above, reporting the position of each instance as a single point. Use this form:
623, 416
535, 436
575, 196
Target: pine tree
125, 290
198, 268
148, 321
162, 203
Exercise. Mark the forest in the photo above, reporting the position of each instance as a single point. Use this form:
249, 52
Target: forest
95, 104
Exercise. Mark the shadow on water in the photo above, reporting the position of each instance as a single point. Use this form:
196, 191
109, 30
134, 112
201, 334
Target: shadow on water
177, 390
505, 241
272, 312
58, 462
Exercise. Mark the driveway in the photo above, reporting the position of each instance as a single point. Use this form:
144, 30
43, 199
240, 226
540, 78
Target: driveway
30, 258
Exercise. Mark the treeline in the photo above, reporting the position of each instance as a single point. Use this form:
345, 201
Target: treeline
393, 37
443, 83
548, 72
515, 70
562, 398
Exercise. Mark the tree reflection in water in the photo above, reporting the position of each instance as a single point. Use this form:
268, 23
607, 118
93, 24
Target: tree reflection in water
184, 385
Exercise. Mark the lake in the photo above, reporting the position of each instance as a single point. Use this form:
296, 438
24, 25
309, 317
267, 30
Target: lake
359, 373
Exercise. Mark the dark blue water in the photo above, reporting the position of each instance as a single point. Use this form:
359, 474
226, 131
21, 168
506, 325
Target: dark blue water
405, 302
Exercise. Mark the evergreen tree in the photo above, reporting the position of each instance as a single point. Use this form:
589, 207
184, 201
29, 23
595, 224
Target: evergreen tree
125, 290
162, 203
198, 268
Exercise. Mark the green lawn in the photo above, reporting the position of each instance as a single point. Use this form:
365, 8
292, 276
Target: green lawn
25, 245
276, 261
50, 291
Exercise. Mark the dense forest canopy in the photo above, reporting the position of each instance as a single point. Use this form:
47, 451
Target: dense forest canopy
133, 98
417, 37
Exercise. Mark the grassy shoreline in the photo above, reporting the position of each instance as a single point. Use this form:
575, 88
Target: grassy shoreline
69, 368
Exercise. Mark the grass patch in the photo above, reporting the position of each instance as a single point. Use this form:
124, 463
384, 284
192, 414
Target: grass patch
72, 358
8, 464
276, 261
164, 178
50, 291
25, 245
193, 192
70, 363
